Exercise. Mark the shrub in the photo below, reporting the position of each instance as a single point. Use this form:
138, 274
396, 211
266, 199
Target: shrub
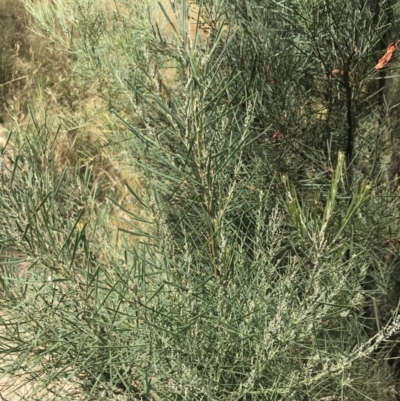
261, 271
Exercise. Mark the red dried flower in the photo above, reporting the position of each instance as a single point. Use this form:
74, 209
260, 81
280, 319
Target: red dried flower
388, 55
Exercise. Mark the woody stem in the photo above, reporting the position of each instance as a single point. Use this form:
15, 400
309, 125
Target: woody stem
350, 125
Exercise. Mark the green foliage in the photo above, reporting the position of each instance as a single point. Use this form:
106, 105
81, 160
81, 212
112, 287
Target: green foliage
261, 270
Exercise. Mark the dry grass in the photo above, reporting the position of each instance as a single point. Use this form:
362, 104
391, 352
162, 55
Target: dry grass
35, 72
28, 63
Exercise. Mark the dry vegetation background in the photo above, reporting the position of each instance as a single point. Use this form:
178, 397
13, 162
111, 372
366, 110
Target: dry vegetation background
38, 82
35, 73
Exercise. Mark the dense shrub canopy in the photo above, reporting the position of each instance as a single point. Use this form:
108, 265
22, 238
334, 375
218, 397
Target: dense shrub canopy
265, 264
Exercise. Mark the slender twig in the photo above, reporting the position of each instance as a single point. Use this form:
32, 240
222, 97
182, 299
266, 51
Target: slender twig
14, 80
350, 125
350, 131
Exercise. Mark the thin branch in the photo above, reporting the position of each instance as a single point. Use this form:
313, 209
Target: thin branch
14, 80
